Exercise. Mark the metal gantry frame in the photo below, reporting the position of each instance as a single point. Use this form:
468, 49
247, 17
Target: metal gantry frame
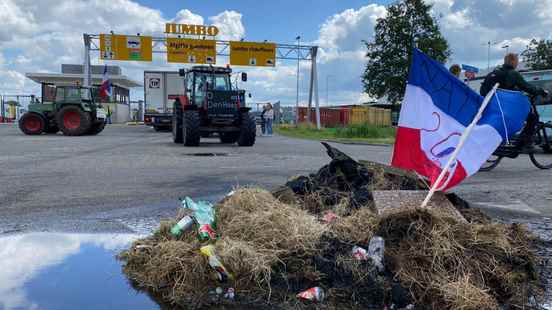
283, 52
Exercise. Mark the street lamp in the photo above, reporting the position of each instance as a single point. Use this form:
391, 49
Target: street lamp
298, 38
327, 86
489, 53
507, 47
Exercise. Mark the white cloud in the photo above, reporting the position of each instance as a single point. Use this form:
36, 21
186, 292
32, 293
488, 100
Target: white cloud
23, 257
469, 24
38, 36
34, 39
229, 24
187, 17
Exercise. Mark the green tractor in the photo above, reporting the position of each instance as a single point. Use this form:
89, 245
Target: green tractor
69, 109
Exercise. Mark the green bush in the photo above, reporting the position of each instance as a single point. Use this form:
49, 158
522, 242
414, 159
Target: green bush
365, 131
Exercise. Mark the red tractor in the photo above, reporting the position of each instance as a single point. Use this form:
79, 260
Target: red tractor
212, 105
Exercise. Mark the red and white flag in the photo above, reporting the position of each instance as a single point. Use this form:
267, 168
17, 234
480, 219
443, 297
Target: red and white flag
105, 88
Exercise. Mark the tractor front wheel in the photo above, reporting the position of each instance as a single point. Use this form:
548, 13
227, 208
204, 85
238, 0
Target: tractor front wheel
190, 128
32, 124
248, 130
177, 133
73, 121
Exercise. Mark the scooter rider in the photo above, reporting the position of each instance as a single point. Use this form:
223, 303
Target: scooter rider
508, 78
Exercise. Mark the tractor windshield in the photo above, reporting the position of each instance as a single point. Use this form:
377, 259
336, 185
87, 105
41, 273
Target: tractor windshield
86, 94
204, 82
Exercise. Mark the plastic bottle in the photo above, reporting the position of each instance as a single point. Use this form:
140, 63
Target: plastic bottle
215, 263
376, 249
204, 214
185, 224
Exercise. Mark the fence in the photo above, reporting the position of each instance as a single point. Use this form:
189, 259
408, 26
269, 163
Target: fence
337, 117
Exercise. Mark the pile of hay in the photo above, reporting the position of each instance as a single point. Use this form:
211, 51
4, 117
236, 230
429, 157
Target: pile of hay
278, 244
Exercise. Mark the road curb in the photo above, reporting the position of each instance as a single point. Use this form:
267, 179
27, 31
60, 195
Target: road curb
356, 143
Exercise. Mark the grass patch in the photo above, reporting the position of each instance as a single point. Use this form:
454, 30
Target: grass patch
352, 133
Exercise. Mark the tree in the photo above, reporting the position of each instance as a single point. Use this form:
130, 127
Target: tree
389, 55
538, 54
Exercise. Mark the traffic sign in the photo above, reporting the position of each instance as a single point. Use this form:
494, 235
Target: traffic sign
470, 68
252, 54
191, 51
125, 47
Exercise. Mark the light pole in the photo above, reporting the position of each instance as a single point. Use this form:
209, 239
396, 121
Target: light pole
327, 86
489, 53
298, 38
507, 47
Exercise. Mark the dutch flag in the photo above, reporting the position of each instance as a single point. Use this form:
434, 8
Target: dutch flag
105, 88
436, 110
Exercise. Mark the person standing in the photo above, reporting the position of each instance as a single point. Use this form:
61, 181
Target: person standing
263, 122
269, 117
108, 116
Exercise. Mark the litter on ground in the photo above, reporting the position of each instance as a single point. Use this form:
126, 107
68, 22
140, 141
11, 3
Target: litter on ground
322, 241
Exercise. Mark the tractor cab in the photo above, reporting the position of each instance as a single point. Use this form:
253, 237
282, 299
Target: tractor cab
211, 104
61, 95
210, 90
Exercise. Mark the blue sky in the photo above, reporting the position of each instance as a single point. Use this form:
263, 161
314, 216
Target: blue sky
279, 21
38, 36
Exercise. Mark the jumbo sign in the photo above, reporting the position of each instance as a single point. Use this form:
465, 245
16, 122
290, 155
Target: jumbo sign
200, 30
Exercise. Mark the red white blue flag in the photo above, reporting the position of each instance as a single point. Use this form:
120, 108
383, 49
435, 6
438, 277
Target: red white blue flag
436, 109
105, 88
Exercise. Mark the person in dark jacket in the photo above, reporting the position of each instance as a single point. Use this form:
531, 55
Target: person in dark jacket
263, 120
508, 78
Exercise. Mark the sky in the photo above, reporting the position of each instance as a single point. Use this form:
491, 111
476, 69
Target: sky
38, 36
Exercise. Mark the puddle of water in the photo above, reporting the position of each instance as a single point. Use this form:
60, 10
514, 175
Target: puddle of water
66, 271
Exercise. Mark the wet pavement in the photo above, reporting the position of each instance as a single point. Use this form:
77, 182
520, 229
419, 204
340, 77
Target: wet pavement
42, 270
121, 183
66, 271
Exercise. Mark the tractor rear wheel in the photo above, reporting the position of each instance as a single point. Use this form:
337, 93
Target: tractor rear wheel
229, 137
190, 128
32, 124
248, 130
97, 128
177, 123
73, 121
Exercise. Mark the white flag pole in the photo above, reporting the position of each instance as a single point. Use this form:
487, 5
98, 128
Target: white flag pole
463, 139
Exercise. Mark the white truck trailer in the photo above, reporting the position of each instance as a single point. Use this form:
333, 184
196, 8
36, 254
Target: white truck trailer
161, 88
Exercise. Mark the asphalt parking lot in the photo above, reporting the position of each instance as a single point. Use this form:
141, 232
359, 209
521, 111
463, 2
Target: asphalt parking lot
128, 177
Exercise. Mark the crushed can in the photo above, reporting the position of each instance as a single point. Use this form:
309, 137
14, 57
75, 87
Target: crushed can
206, 233
314, 294
215, 263
359, 253
230, 293
329, 217
185, 224
376, 250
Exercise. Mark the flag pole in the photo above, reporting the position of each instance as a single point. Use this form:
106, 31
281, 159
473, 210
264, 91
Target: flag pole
463, 139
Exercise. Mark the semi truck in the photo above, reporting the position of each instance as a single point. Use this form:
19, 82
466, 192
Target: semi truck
161, 88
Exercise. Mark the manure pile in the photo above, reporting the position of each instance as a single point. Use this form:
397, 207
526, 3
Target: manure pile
277, 244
